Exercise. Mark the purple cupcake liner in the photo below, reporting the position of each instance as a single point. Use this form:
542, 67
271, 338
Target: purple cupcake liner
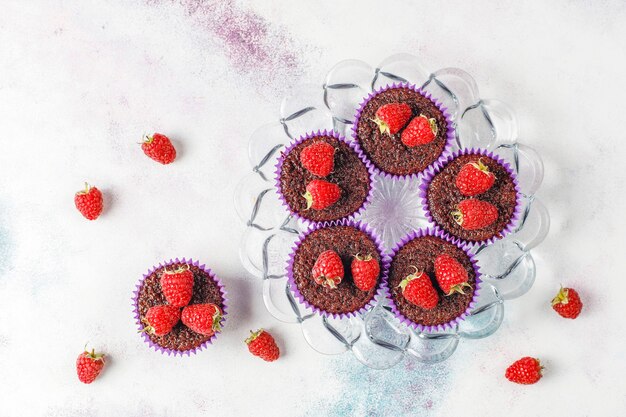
353, 145
450, 131
384, 259
458, 243
140, 325
441, 163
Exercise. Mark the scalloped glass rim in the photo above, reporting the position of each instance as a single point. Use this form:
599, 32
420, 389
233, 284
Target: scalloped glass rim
377, 338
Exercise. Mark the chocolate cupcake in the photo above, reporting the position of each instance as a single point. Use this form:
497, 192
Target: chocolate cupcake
472, 195
348, 241
322, 177
418, 252
207, 289
423, 130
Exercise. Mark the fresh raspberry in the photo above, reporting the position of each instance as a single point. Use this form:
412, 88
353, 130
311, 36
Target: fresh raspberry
160, 320
450, 275
567, 303
474, 178
263, 345
318, 158
418, 289
525, 371
89, 202
203, 318
365, 271
392, 117
89, 365
328, 269
160, 148
321, 194
420, 131
177, 286
475, 214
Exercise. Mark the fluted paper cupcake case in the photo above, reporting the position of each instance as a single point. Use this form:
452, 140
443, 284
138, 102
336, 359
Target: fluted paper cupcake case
432, 171
478, 282
383, 267
137, 317
353, 145
450, 135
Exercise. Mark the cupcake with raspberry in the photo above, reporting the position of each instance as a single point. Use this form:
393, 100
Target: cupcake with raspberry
322, 177
179, 307
432, 282
472, 195
336, 268
402, 130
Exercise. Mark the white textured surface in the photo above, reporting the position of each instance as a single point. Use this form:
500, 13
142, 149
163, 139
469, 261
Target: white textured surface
80, 82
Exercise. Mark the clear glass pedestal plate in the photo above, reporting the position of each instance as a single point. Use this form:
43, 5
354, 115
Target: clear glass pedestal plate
377, 338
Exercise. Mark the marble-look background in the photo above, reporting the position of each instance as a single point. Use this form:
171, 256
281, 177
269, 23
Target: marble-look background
80, 82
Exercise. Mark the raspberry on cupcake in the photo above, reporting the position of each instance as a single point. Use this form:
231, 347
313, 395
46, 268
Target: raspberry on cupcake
432, 282
336, 268
402, 130
471, 195
321, 177
179, 306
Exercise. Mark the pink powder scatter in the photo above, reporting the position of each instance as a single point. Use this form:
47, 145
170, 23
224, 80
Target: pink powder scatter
250, 42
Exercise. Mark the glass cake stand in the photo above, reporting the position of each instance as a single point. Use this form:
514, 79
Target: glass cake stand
377, 338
